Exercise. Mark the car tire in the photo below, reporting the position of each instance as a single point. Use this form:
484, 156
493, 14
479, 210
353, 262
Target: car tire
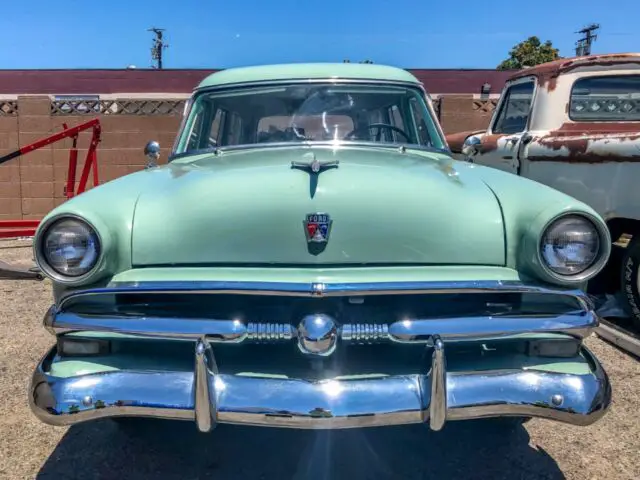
630, 280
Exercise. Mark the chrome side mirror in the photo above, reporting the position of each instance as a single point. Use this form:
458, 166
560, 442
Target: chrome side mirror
152, 152
471, 145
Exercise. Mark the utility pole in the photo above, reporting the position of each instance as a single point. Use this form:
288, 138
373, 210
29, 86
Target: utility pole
158, 47
583, 45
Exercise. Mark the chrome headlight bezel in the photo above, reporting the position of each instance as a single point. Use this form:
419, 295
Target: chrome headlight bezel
596, 265
41, 258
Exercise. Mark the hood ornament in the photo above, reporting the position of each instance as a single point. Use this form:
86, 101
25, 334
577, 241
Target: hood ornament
317, 227
313, 165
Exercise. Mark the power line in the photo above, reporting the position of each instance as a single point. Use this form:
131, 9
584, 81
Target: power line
583, 45
157, 47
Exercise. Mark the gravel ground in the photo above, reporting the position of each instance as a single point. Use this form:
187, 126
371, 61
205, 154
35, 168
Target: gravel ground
29, 449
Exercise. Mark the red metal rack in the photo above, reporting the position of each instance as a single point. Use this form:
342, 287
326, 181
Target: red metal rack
27, 228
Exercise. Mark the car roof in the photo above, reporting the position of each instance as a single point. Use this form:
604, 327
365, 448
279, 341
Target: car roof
305, 71
557, 67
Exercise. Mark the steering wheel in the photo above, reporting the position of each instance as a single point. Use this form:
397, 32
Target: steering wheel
380, 127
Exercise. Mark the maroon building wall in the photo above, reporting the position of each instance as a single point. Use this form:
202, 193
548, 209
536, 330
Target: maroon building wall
58, 82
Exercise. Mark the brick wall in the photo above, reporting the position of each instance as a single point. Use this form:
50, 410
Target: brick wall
459, 113
10, 188
33, 184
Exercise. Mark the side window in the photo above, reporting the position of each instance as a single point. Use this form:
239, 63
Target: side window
378, 116
226, 129
612, 98
396, 120
204, 134
193, 140
215, 132
418, 120
234, 134
396, 117
515, 108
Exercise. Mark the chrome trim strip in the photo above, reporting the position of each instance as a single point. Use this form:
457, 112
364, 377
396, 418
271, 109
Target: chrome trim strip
318, 289
308, 81
576, 324
438, 406
270, 332
365, 332
334, 403
313, 144
217, 331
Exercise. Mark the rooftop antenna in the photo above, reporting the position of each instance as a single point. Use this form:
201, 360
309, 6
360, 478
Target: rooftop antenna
158, 47
583, 45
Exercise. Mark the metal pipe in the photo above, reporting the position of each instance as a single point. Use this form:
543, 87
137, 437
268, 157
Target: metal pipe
315, 289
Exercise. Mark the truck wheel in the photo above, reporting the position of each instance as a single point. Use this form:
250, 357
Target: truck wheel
630, 280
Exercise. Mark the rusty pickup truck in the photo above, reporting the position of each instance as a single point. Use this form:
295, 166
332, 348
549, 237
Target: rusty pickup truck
574, 124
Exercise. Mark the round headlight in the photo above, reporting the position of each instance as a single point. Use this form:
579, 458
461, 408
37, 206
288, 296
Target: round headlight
570, 245
70, 247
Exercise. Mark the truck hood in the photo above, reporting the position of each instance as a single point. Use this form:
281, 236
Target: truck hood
387, 207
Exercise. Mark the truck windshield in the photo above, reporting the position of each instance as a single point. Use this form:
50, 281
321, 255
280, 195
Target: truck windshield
384, 114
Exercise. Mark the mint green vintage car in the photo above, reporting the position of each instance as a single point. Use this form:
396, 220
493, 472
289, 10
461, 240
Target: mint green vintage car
311, 256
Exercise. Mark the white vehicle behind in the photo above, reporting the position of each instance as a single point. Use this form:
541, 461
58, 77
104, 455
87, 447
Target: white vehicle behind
574, 124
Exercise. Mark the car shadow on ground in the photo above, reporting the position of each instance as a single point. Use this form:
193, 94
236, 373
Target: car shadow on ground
172, 450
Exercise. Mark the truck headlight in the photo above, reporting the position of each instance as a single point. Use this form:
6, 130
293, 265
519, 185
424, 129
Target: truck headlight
570, 245
68, 248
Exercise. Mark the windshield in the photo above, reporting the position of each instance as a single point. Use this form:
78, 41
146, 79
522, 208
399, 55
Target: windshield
384, 114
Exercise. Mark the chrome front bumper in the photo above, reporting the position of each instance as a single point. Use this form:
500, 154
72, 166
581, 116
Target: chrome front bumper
208, 397
434, 395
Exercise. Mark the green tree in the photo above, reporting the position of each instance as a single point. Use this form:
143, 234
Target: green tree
529, 53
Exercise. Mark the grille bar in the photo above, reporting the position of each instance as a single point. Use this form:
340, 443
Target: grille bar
577, 324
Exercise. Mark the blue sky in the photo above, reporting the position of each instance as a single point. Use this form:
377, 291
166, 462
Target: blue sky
215, 34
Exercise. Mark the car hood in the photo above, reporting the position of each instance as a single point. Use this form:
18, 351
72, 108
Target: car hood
247, 207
